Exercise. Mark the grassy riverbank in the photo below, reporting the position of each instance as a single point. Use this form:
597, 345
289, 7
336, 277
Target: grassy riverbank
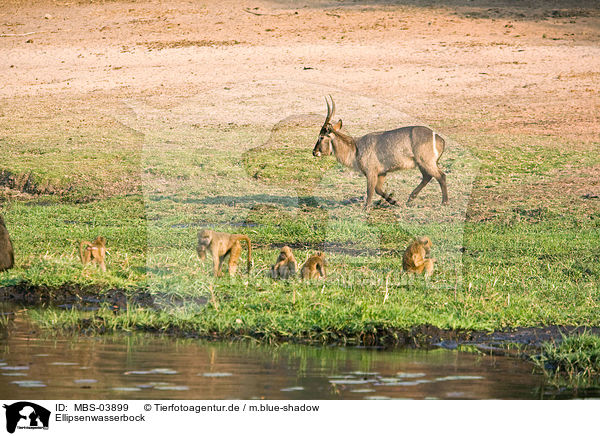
574, 361
366, 295
505, 258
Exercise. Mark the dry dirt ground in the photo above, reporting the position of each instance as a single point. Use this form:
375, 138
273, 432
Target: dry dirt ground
466, 68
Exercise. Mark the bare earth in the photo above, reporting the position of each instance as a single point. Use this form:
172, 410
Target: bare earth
467, 68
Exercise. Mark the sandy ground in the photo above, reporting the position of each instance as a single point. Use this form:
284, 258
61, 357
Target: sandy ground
463, 67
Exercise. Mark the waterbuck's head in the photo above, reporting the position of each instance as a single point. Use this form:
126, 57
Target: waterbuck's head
324, 146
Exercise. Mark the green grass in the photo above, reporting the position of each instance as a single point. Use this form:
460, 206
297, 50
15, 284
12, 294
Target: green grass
48, 255
574, 361
68, 157
525, 259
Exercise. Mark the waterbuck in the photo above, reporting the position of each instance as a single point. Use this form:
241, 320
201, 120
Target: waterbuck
378, 153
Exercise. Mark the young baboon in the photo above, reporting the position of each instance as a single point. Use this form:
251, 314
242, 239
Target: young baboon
7, 256
220, 245
286, 265
415, 257
93, 251
314, 267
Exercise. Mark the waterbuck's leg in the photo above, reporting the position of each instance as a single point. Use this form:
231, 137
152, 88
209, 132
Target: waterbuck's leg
441, 178
426, 178
379, 189
429, 172
371, 183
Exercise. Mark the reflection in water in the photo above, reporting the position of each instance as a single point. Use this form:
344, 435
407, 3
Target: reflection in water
143, 366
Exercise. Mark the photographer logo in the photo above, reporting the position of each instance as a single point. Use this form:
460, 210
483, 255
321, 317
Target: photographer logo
25, 415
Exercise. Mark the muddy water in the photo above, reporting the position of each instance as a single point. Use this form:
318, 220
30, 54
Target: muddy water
36, 365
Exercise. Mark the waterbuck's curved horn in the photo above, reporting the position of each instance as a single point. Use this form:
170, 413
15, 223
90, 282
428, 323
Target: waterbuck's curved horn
332, 107
328, 117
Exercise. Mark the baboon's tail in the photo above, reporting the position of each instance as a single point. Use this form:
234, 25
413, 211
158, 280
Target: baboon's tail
247, 239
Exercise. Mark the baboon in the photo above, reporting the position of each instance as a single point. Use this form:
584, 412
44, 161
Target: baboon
7, 255
314, 267
286, 265
415, 257
220, 245
379, 153
93, 251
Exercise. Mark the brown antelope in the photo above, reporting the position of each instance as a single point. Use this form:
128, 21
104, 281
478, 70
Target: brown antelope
378, 153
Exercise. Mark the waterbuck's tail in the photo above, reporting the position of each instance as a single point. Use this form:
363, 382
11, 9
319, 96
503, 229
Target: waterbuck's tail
439, 145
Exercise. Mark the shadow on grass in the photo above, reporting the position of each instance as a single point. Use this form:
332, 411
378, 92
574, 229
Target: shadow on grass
251, 200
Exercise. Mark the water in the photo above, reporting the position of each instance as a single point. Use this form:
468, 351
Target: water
40, 365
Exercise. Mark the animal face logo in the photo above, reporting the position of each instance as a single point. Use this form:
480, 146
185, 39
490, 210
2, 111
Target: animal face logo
26, 415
